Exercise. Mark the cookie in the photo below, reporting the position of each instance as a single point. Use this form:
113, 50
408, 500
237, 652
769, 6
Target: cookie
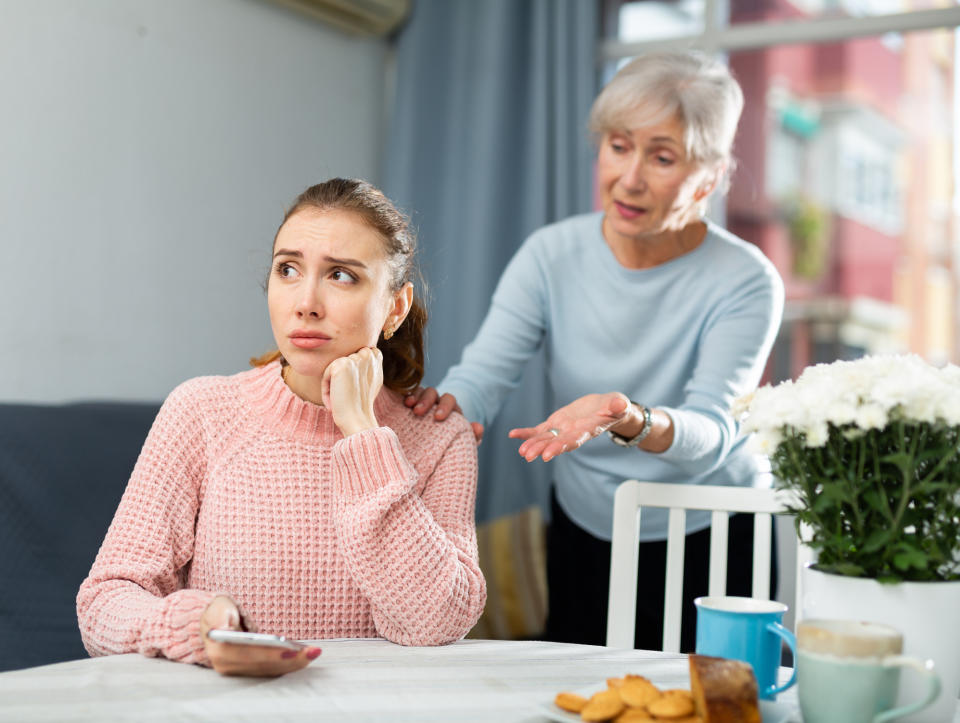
602, 706
638, 692
570, 702
635, 715
671, 706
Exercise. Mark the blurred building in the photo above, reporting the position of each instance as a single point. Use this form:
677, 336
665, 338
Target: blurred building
846, 182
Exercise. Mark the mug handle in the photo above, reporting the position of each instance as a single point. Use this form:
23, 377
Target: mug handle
925, 669
791, 642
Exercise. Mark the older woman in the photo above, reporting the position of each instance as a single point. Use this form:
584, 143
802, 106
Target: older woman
654, 319
300, 497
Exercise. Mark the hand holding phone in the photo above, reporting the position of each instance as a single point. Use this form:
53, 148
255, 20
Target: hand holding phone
232, 651
241, 637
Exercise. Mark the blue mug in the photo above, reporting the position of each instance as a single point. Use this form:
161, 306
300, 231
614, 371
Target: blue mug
747, 629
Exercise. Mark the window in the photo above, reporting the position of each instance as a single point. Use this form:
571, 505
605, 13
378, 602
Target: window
847, 177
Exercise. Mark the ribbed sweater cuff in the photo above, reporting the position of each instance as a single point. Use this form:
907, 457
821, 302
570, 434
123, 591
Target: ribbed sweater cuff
184, 611
366, 461
676, 450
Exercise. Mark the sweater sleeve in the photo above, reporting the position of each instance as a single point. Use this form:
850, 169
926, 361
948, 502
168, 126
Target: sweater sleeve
732, 355
414, 555
493, 363
133, 599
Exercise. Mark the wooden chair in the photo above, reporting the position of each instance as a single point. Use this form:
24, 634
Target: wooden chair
632, 496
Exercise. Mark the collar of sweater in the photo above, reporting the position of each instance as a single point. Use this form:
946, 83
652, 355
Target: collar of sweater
283, 412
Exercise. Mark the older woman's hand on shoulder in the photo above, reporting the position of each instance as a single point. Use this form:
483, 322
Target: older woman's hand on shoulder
423, 398
575, 424
252, 660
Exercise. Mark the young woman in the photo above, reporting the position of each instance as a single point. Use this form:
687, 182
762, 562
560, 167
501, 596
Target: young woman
301, 497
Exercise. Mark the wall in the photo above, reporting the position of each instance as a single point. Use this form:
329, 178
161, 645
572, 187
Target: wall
148, 149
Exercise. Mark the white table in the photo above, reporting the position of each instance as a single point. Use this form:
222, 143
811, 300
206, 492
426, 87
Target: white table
353, 680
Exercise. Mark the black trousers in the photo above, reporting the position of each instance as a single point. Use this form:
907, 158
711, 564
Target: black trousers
578, 580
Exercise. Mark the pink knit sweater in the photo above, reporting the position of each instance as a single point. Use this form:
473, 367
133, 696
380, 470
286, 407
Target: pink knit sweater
245, 489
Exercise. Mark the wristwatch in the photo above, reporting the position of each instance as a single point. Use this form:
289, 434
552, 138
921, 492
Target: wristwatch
644, 430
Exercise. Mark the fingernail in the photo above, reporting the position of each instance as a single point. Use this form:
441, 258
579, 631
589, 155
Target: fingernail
287, 654
313, 653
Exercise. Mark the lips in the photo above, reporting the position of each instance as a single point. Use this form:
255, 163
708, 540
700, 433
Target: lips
629, 212
306, 339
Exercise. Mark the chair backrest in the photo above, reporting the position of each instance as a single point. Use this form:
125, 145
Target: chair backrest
632, 496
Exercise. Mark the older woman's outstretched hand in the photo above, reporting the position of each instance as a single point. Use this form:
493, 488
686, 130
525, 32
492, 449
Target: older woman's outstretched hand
572, 426
253, 660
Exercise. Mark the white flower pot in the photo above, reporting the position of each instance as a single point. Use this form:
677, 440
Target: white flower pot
927, 613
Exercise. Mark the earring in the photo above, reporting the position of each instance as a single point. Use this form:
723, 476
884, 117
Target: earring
387, 333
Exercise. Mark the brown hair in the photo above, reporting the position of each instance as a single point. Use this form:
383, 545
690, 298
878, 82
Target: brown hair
403, 353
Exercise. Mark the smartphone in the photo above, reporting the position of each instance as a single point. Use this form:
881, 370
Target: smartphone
239, 637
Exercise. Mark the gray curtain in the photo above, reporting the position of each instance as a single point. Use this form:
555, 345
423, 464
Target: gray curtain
487, 141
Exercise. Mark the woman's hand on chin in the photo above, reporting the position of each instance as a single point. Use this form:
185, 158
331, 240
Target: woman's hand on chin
572, 426
350, 386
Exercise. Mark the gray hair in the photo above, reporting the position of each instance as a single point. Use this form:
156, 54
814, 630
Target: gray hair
695, 88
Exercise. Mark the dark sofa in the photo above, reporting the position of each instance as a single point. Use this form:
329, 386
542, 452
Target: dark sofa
63, 469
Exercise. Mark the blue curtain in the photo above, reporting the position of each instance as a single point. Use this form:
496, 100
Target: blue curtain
487, 141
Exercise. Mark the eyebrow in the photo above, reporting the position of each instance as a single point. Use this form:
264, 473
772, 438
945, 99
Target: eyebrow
665, 139
329, 259
656, 139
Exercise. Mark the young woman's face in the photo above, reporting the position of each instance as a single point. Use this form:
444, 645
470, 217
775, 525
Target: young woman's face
329, 290
647, 183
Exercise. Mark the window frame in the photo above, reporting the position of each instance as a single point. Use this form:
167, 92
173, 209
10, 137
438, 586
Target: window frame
720, 37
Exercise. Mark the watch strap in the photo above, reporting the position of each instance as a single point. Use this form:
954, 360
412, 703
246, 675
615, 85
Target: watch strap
622, 441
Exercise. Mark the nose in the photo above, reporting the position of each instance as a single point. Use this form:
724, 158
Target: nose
310, 302
634, 175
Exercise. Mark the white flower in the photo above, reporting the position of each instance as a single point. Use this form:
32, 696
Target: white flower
921, 407
741, 405
817, 435
871, 416
765, 442
840, 411
948, 406
855, 396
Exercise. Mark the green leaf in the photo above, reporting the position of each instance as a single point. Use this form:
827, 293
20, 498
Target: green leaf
902, 460
910, 557
876, 539
847, 568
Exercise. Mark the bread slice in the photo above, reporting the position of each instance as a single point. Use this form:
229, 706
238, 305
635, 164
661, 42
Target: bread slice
724, 691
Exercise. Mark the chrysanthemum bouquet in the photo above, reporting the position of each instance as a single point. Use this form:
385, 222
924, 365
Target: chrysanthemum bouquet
870, 450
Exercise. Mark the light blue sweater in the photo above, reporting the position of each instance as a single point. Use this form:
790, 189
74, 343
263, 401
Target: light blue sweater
686, 337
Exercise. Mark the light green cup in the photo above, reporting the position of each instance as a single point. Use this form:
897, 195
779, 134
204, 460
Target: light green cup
849, 672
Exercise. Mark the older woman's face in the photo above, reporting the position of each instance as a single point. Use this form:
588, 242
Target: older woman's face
647, 183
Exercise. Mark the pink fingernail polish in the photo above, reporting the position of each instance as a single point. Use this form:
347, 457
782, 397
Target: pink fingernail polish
287, 654
313, 653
